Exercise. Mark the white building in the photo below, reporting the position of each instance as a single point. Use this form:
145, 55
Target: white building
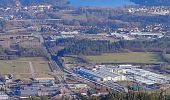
143, 76
108, 75
4, 96
122, 36
70, 33
78, 86
101, 74
131, 73
147, 34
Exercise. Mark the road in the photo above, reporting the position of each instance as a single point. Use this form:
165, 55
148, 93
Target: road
58, 66
32, 70
55, 64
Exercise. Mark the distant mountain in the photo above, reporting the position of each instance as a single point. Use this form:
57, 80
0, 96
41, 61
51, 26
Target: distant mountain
6, 3
152, 2
35, 2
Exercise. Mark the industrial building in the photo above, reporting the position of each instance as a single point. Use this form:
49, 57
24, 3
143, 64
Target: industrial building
4, 96
147, 34
101, 74
78, 86
141, 76
70, 33
104, 73
109, 75
87, 74
146, 77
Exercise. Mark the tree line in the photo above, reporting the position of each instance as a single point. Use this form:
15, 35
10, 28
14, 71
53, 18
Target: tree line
130, 96
97, 47
14, 53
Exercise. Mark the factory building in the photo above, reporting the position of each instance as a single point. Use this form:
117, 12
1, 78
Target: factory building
122, 73
147, 34
101, 74
110, 75
142, 76
87, 74
4, 96
78, 86
146, 77
70, 33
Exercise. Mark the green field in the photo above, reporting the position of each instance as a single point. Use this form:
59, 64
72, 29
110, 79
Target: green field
74, 59
132, 57
20, 68
167, 56
17, 68
41, 66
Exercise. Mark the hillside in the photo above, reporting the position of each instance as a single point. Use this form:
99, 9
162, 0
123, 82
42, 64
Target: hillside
6, 3
35, 2
152, 2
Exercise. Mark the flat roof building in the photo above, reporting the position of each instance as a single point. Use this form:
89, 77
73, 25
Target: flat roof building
4, 96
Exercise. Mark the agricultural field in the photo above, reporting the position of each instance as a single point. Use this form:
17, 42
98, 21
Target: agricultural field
74, 59
167, 56
25, 68
132, 57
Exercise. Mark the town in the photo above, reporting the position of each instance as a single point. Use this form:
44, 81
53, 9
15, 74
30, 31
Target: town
58, 52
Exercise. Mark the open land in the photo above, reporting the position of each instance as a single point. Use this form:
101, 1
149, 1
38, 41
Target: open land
21, 68
132, 57
167, 56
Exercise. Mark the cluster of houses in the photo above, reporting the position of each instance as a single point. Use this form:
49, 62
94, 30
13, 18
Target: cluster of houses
17, 89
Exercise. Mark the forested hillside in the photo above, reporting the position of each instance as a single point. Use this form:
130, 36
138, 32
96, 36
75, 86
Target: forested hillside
96, 47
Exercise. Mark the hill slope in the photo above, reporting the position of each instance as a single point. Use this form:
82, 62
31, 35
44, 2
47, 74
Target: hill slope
6, 3
152, 2
35, 2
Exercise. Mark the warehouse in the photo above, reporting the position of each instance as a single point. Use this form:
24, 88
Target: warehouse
147, 34
101, 74
109, 73
4, 96
105, 73
87, 74
143, 76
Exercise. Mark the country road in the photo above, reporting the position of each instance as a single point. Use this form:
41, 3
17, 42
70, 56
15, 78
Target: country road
32, 69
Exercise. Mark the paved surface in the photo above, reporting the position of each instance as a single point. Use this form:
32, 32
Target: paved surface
32, 70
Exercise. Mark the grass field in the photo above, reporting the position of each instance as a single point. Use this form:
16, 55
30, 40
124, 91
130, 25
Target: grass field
167, 56
132, 57
20, 68
74, 60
